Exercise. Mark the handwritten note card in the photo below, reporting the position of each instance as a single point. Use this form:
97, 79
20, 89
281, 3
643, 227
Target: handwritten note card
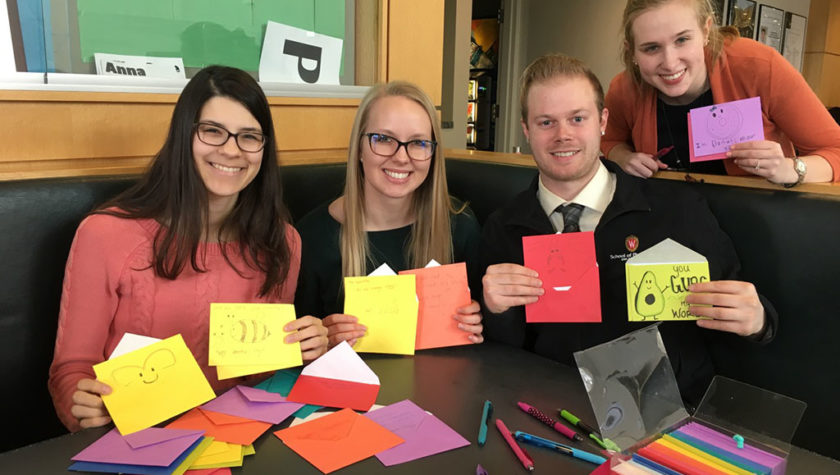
441, 290
713, 129
247, 338
658, 280
152, 384
387, 306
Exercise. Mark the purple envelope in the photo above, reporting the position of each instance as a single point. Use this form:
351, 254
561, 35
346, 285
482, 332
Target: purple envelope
152, 446
253, 403
424, 433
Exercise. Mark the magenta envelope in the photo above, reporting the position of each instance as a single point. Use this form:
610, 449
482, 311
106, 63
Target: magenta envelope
424, 434
253, 403
152, 446
568, 269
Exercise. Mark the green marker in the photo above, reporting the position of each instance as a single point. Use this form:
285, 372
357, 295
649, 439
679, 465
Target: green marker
575, 421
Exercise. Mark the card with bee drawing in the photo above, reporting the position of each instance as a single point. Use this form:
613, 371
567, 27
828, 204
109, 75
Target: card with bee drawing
251, 334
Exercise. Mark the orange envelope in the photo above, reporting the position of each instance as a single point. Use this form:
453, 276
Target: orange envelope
441, 290
222, 427
338, 440
567, 267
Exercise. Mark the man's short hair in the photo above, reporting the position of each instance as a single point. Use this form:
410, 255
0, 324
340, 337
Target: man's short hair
552, 66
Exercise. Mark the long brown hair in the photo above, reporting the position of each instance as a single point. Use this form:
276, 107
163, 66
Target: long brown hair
431, 204
172, 192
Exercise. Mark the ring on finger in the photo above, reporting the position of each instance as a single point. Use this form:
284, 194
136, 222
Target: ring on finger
758, 165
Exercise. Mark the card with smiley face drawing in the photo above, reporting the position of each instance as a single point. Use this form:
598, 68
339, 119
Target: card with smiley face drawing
152, 384
713, 129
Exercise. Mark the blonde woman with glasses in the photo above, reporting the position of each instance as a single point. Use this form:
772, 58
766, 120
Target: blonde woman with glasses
395, 209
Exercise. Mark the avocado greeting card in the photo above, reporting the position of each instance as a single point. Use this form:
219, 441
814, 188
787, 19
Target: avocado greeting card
658, 280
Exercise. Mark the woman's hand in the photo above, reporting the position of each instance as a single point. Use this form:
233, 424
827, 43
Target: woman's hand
735, 306
342, 327
88, 407
311, 334
639, 164
765, 159
469, 320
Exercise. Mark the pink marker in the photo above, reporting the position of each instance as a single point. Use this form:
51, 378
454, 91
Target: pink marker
537, 414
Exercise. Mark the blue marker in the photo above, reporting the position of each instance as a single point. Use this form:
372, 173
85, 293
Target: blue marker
485, 416
565, 449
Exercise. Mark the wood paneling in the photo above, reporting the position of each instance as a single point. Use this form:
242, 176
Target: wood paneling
49, 133
748, 182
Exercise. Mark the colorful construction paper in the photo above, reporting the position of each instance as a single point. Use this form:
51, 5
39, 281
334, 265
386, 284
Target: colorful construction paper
706, 457
281, 382
442, 290
222, 427
152, 384
177, 467
678, 461
723, 441
722, 454
387, 306
251, 334
219, 455
424, 434
253, 403
338, 378
338, 440
713, 129
152, 446
567, 267
658, 279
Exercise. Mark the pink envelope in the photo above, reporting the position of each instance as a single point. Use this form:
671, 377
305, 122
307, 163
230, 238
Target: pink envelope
567, 267
152, 446
253, 403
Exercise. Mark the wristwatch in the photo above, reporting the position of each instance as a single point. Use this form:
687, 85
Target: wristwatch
801, 169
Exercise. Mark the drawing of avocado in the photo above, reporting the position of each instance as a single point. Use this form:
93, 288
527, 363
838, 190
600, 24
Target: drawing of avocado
649, 299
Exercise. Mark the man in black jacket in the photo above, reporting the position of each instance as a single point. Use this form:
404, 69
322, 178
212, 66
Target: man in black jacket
563, 117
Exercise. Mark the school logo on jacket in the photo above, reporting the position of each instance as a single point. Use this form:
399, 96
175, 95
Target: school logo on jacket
631, 242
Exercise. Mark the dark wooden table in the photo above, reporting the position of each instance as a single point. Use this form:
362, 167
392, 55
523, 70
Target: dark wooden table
452, 383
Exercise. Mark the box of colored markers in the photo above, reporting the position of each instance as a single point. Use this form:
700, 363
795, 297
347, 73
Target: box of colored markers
736, 429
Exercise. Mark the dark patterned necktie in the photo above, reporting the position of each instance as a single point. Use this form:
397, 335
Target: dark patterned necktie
571, 216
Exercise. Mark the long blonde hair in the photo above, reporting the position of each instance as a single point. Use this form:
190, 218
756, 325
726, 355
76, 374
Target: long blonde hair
703, 10
430, 203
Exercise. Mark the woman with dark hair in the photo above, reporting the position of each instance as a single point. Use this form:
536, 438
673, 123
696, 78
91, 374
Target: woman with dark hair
206, 223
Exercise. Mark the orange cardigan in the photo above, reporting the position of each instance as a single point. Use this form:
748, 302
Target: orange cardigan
792, 113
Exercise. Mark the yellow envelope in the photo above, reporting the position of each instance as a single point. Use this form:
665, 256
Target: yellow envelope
658, 280
251, 334
220, 454
387, 305
152, 384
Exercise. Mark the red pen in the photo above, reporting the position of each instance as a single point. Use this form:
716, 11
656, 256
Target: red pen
662, 152
537, 414
520, 453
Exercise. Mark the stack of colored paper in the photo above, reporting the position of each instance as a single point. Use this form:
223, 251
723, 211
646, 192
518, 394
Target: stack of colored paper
695, 448
150, 451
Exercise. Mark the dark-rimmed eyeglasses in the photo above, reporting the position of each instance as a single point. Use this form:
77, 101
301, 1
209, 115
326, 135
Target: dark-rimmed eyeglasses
387, 146
216, 135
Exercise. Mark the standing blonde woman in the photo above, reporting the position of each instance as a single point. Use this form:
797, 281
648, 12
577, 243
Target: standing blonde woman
677, 60
395, 209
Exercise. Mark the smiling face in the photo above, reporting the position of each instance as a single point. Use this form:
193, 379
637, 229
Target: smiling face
668, 48
564, 128
398, 176
225, 169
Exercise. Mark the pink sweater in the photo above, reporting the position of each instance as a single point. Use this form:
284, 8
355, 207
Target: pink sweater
109, 289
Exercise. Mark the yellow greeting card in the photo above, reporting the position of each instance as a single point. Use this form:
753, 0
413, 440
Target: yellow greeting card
152, 384
658, 280
387, 305
247, 338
